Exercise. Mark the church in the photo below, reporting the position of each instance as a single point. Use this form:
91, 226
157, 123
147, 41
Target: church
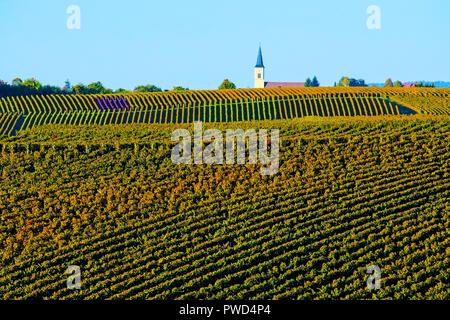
259, 77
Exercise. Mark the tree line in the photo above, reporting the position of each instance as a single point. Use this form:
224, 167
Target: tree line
31, 86
19, 87
351, 82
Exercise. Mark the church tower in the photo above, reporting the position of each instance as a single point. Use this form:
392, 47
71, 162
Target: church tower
259, 71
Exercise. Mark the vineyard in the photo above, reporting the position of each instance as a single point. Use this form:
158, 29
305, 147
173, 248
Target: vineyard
19, 113
350, 193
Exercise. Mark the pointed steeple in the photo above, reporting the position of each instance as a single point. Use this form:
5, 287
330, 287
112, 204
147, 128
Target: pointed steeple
259, 61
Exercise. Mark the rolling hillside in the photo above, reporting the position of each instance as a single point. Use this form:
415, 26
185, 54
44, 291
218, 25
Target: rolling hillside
351, 192
21, 113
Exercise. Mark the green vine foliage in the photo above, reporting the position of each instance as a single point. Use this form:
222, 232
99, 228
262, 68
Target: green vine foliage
349, 193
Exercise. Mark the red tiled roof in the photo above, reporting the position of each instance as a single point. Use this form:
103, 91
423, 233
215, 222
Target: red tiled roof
283, 84
409, 85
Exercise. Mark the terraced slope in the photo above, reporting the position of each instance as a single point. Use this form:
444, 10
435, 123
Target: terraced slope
349, 194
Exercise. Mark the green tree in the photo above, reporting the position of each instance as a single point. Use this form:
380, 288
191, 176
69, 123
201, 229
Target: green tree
179, 88
425, 85
398, 84
121, 90
315, 82
357, 83
17, 82
308, 82
344, 82
351, 82
32, 83
98, 88
147, 88
388, 83
227, 84
80, 89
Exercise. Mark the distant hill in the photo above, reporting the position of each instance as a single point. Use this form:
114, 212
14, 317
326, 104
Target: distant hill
437, 84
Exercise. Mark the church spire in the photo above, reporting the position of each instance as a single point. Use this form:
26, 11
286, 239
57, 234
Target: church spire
259, 61
259, 70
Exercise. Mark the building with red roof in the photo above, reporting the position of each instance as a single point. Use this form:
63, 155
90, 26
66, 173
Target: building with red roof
259, 76
409, 85
283, 84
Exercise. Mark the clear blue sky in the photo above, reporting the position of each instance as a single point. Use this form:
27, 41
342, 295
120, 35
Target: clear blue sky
197, 44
